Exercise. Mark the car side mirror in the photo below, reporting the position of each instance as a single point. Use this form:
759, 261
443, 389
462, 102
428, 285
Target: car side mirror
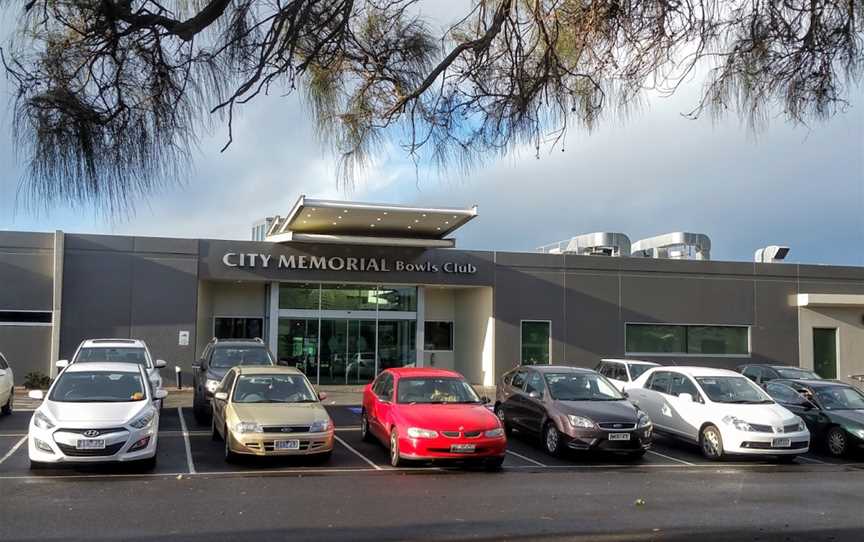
161, 363
534, 395
36, 394
685, 397
62, 363
322, 395
220, 396
161, 393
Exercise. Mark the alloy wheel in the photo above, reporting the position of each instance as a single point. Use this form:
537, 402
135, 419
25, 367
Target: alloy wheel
394, 448
553, 440
712, 443
499, 411
837, 441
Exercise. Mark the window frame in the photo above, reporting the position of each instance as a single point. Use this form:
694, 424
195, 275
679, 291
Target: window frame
748, 327
521, 351
452, 335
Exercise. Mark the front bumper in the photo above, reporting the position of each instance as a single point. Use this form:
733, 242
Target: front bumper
753, 443
63, 445
442, 448
601, 440
263, 444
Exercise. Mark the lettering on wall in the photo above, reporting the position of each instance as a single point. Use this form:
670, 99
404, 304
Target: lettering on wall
252, 260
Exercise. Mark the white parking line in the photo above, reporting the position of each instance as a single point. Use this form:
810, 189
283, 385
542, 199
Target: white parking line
358, 454
528, 459
189, 463
670, 458
811, 460
14, 449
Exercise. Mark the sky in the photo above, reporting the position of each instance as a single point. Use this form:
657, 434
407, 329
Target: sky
651, 173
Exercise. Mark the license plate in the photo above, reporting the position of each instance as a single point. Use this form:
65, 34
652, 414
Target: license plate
462, 448
286, 445
781, 443
619, 436
92, 444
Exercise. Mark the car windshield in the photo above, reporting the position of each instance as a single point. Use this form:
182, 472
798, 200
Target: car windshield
581, 387
800, 374
636, 369
275, 388
125, 354
435, 390
98, 387
732, 389
231, 356
840, 398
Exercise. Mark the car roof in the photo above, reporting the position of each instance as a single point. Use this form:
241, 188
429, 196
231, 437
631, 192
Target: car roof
111, 343
558, 368
404, 372
239, 342
266, 369
109, 366
812, 383
631, 361
698, 371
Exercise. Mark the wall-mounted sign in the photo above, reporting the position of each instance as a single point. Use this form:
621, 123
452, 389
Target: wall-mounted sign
338, 263
183, 338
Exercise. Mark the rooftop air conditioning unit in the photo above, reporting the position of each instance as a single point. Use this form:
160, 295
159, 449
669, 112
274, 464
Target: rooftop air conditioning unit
678, 245
771, 254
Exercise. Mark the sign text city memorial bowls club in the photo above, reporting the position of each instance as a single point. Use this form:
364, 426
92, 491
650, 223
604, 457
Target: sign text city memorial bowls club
339, 263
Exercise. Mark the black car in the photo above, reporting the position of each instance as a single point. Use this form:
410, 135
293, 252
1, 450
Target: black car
833, 411
219, 356
762, 373
572, 409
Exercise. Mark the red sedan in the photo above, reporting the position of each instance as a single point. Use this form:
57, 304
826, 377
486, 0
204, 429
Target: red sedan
430, 414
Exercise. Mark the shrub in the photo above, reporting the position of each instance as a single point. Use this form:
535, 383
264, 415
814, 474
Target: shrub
36, 381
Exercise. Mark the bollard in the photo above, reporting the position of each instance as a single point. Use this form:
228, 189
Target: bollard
179, 375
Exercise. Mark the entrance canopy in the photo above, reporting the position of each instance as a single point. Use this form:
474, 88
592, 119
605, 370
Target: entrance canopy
830, 300
347, 222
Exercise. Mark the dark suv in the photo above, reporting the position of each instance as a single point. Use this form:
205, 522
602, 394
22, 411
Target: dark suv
762, 373
218, 357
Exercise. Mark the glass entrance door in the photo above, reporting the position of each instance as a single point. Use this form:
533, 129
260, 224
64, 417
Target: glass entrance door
361, 352
825, 352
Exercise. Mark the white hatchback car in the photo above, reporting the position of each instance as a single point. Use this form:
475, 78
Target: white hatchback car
96, 412
623, 372
723, 411
118, 350
7, 386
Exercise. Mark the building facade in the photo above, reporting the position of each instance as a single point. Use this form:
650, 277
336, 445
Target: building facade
342, 312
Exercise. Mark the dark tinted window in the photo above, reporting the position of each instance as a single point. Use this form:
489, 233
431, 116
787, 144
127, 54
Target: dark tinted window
637, 369
438, 336
682, 384
731, 389
660, 381
124, 354
519, 380
840, 398
239, 328
784, 394
274, 388
796, 373
581, 387
98, 387
25, 317
535, 384
231, 356
753, 373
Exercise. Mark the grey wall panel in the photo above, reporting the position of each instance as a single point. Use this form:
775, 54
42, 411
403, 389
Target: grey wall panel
811, 286
26, 239
686, 300
26, 277
100, 243
593, 329
774, 334
164, 245
28, 349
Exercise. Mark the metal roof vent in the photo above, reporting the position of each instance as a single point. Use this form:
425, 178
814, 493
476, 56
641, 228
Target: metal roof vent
601, 243
674, 246
771, 254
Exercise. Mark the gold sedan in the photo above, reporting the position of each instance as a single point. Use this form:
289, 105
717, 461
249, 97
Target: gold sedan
260, 410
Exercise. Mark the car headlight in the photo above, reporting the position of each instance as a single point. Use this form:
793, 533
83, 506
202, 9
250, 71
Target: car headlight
801, 425
143, 420
737, 423
416, 432
494, 433
211, 385
319, 426
248, 427
42, 421
580, 421
644, 421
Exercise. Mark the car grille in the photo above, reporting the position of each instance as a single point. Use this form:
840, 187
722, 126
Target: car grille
457, 434
270, 446
790, 428
286, 429
761, 428
102, 430
617, 426
767, 445
72, 451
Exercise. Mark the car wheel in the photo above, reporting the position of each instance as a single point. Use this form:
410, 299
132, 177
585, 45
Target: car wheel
395, 458
494, 465
230, 457
711, 443
552, 439
364, 428
499, 411
7, 408
837, 442
214, 433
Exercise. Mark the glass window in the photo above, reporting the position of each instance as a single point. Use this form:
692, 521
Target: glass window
636, 369
535, 384
535, 342
619, 372
123, 354
581, 387
796, 373
349, 297
298, 296
660, 382
25, 317
753, 373
231, 356
438, 336
784, 394
683, 384
298, 343
396, 299
732, 389
227, 382
519, 380
98, 386
724, 340
435, 390
655, 338
274, 388
238, 328
840, 398
386, 393
825, 352
397, 340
